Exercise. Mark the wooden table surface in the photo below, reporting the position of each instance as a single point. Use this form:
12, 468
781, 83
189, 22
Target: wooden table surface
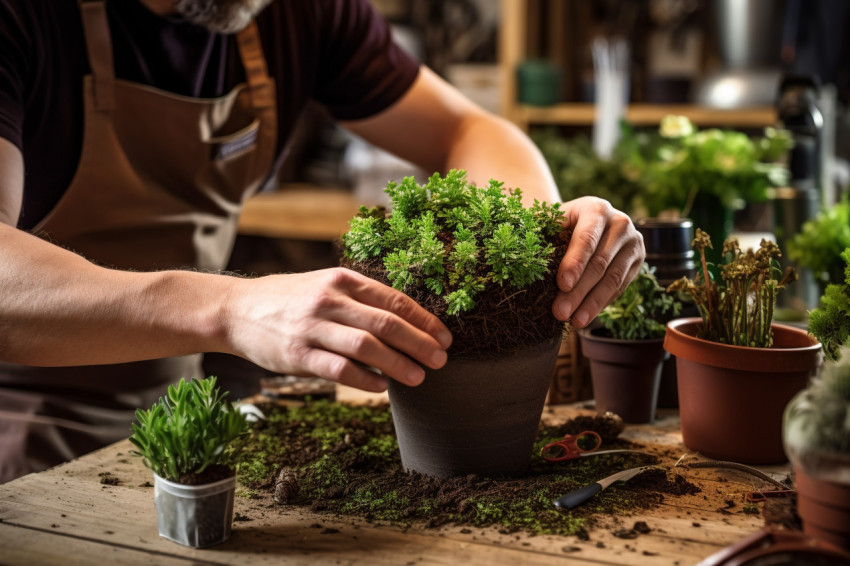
67, 516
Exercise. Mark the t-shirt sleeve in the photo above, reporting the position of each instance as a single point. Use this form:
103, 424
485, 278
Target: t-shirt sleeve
12, 73
361, 70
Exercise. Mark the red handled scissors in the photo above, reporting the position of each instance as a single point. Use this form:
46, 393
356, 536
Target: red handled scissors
568, 448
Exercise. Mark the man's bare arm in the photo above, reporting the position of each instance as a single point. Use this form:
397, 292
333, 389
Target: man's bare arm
437, 128
57, 308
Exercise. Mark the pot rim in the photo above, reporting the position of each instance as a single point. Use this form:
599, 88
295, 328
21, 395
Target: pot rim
683, 344
201, 489
587, 333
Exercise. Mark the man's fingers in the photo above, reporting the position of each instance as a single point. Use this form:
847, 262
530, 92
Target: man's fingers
588, 229
392, 330
604, 255
343, 370
378, 295
619, 274
368, 349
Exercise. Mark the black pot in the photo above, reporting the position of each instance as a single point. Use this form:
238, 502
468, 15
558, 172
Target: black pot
668, 247
474, 416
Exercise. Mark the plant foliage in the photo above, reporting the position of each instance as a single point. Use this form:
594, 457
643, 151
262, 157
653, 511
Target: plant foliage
190, 429
651, 171
636, 314
820, 242
455, 239
830, 322
736, 299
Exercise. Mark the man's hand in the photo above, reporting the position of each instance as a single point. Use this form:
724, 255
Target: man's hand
335, 324
605, 254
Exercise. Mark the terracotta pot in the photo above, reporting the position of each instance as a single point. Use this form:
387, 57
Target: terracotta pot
626, 374
731, 398
824, 507
474, 416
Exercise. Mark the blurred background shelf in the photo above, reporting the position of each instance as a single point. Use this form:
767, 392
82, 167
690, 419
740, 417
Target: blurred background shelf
299, 211
583, 114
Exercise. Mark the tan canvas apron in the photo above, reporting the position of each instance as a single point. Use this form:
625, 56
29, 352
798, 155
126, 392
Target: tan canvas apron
160, 184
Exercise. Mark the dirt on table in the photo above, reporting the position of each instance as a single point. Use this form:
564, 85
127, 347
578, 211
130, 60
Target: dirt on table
343, 460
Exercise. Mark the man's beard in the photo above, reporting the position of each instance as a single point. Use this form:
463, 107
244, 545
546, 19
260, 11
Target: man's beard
221, 16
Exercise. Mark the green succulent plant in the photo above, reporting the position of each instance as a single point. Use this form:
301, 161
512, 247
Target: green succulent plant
736, 298
830, 322
455, 239
637, 314
189, 430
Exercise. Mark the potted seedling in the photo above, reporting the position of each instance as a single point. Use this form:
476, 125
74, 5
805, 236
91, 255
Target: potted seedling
187, 439
485, 265
816, 434
737, 369
625, 349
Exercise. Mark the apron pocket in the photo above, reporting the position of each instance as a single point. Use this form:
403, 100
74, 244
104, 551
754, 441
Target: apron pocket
227, 147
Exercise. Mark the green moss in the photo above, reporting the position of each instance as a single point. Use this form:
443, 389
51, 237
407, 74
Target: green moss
751, 509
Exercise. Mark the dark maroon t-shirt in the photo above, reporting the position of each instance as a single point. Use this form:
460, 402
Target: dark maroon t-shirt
337, 52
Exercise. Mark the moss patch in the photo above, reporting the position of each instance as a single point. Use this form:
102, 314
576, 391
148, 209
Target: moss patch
344, 459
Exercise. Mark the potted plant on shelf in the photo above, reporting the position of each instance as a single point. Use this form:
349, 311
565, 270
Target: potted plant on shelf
625, 349
187, 439
485, 265
816, 434
736, 368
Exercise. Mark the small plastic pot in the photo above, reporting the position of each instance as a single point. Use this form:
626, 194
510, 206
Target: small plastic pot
194, 515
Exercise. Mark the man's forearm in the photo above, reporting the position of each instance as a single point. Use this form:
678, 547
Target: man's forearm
57, 308
488, 147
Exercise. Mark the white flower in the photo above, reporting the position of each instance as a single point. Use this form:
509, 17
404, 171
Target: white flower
676, 127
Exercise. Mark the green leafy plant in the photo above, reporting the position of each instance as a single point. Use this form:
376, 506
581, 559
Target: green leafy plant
638, 312
459, 249
189, 430
678, 162
455, 239
830, 322
651, 171
820, 242
736, 299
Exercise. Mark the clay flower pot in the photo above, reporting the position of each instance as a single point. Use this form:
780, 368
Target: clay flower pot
474, 416
731, 398
626, 374
824, 508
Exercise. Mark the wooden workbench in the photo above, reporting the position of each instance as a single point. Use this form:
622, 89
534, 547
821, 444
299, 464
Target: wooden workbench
67, 516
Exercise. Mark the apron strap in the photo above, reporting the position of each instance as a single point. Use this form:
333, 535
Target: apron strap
99, 48
256, 71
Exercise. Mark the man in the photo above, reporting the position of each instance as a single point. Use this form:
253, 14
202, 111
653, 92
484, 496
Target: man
130, 133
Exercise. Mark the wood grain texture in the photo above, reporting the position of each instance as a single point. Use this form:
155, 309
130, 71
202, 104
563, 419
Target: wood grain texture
66, 516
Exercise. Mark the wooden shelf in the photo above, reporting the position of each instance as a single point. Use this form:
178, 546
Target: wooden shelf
520, 20
648, 115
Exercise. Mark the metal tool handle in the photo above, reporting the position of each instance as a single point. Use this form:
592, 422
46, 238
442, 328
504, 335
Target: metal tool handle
579, 496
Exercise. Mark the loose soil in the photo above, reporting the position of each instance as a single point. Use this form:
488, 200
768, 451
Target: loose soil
343, 460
